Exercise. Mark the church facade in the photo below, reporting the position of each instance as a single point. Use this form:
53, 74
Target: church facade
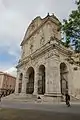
47, 68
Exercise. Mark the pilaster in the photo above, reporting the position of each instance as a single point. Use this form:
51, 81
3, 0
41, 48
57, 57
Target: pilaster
17, 83
24, 83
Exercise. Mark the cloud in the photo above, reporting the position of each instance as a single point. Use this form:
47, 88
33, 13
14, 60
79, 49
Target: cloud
12, 71
15, 16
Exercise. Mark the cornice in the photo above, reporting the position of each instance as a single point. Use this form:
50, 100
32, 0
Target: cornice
52, 44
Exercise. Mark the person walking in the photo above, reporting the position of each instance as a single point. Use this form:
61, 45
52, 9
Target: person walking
67, 97
0, 101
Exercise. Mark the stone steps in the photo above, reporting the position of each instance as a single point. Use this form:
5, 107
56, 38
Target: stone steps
75, 99
33, 98
20, 97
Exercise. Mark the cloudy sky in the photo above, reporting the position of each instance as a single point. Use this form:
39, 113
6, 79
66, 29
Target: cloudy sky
15, 16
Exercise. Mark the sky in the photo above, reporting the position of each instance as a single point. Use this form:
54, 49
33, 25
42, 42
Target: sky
16, 15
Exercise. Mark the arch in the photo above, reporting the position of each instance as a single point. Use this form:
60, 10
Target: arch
64, 78
20, 82
41, 81
30, 83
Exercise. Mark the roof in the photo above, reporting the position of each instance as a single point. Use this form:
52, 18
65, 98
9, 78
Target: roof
3, 73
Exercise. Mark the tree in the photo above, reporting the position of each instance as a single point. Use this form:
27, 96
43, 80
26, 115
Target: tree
71, 28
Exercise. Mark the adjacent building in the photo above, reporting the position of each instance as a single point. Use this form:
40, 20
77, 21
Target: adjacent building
7, 84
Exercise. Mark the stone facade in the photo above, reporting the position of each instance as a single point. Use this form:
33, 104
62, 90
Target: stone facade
46, 67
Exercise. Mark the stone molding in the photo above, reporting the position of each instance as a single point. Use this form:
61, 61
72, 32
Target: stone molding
51, 45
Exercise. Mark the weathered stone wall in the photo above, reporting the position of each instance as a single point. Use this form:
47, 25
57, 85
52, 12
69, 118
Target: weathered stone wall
43, 48
76, 81
1, 80
40, 38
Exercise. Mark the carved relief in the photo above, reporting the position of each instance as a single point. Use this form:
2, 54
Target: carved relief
23, 51
42, 39
31, 47
31, 44
52, 53
38, 31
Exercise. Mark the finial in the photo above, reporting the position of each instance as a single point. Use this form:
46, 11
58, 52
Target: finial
48, 14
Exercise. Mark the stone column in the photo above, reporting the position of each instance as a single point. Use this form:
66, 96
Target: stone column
24, 83
17, 83
36, 78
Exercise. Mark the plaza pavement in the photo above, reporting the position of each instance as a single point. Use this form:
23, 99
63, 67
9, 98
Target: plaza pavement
40, 111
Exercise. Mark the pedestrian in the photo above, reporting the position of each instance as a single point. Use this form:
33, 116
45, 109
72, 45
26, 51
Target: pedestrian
0, 101
67, 99
38, 99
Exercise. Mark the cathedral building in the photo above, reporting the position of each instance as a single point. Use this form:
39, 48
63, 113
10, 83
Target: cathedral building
47, 68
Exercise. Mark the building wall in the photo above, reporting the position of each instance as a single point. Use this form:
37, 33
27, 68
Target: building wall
1, 80
51, 58
76, 81
7, 84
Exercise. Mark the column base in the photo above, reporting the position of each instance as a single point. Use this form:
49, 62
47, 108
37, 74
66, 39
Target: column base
34, 93
53, 94
16, 93
52, 97
22, 94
